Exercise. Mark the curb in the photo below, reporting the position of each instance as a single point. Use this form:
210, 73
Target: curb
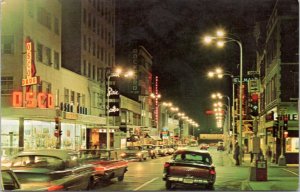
246, 186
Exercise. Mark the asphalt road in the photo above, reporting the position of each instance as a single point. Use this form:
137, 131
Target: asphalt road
147, 175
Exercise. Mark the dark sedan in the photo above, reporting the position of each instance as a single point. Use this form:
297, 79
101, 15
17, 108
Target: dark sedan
9, 180
51, 170
190, 167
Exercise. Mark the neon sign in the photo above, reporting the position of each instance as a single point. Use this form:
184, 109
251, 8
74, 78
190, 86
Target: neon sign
32, 100
31, 79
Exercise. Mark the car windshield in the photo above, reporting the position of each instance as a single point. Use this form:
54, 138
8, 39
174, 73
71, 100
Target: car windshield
134, 148
196, 157
95, 154
36, 161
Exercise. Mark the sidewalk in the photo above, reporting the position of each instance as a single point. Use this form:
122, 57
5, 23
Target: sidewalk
275, 180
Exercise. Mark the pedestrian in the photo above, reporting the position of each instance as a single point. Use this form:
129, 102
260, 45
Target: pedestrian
237, 154
230, 148
260, 155
251, 156
269, 153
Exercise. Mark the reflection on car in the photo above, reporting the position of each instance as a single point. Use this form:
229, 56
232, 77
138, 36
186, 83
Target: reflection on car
134, 153
9, 180
52, 169
105, 164
190, 167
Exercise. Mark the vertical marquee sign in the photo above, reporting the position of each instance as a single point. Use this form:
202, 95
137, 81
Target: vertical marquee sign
114, 107
156, 101
32, 99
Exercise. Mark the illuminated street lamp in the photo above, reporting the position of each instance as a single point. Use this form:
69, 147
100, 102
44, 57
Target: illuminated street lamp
220, 36
116, 73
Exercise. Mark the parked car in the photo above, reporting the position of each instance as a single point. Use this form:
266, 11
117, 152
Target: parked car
220, 146
52, 169
182, 146
161, 150
190, 167
134, 152
170, 149
151, 152
9, 180
105, 165
204, 146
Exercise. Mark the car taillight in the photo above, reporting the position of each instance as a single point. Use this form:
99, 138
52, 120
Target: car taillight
212, 172
166, 165
55, 188
99, 168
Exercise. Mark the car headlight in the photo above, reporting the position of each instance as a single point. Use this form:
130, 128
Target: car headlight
123, 154
139, 154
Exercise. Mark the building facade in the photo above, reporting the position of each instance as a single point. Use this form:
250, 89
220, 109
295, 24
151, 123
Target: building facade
277, 61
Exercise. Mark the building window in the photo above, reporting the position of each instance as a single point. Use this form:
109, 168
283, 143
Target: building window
78, 99
83, 99
94, 49
66, 94
98, 51
98, 74
94, 72
89, 70
84, 42
56, 60
89, 20
39, 52
102, 53
94, 24
102, 32
44, 17
56, 26
89, 44
7, 44
48, 56
7, 85
44, 87
72, 97
84, 67
84, 15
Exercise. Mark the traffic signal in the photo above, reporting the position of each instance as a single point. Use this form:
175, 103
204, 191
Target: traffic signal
254, 105
57, 131
285, 123
275, 128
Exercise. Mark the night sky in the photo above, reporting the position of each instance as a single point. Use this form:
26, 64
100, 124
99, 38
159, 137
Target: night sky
172, 30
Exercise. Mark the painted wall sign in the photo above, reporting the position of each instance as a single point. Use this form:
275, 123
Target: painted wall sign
32, 100
31, 79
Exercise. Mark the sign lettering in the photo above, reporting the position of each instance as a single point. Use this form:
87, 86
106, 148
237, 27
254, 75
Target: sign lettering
32, 100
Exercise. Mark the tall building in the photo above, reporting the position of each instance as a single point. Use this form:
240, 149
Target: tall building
278, 63
37, 92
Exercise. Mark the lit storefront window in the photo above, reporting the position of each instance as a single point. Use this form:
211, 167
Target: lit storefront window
292, 145
9, 137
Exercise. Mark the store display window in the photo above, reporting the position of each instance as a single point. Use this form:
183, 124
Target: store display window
292, 145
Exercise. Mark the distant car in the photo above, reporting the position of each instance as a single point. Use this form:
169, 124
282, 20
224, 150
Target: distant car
182, 146
134, 153
169, 149
161, 150
105, 165
9, 180
151, 152
204, 146
190, 167
52, 169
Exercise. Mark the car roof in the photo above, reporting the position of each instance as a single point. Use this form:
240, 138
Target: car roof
192, 151
3, 168
59, 153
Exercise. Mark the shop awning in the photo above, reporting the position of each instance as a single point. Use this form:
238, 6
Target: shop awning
156, 138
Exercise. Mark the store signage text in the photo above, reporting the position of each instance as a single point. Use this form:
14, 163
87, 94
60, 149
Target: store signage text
33, 100
31, 79
110, 92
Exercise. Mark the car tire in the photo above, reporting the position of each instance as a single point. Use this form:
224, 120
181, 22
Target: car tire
121, 178
210, 186
90, 184
145, 158
168, 185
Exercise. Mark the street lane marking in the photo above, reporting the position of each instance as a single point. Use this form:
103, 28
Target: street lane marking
290, 171
145, 184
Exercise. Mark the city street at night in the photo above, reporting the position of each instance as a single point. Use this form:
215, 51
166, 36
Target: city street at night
144, 176
149, 95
